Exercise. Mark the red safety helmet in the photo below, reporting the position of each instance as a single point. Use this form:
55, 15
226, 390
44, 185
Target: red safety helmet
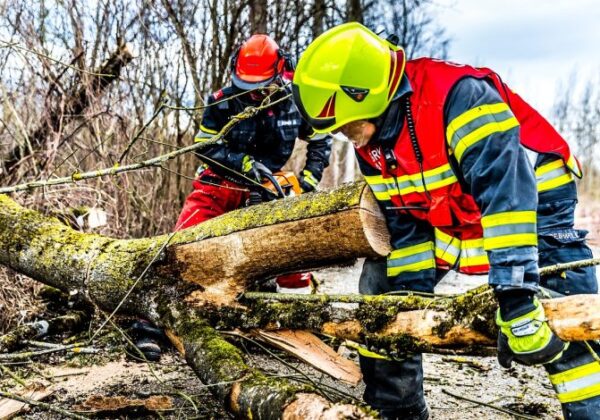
256, 63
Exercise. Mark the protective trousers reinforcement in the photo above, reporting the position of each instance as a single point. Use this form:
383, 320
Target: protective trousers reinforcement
398, 386
576, 375
395, 389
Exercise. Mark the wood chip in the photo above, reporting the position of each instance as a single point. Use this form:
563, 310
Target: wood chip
104, 404
312, 350
10, 408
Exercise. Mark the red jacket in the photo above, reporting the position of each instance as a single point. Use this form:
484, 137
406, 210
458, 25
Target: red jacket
445, 205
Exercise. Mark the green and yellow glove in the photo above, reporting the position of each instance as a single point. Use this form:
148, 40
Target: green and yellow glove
527, 339
253, 169
308, 182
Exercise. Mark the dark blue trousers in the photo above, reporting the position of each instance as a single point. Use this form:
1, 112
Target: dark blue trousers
397, 387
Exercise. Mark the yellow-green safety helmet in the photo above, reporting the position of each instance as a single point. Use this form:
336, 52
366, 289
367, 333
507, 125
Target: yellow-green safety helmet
346, 74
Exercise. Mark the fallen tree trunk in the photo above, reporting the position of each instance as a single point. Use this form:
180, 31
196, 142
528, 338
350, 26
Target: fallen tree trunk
174, 280
189, 282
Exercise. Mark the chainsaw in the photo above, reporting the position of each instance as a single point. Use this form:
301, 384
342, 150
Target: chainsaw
277, 185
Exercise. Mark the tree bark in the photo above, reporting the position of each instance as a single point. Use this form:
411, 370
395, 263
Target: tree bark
188, 282
259, 14
173, 281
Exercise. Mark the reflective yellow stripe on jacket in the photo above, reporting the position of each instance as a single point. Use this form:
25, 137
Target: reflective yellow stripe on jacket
511, 228
577, 384
476, 124
385, 188
447, 247
411, 259
468, 253
553, 175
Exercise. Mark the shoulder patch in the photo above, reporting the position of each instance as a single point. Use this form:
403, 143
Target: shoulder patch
218, 94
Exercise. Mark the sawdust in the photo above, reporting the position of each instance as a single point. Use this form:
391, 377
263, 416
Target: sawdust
97, 376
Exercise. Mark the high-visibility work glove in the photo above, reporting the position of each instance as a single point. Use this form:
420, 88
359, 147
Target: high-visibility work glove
308, 182
526, 338
253, 169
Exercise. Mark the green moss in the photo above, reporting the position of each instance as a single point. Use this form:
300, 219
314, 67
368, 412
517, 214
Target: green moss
289, 209
299, 315
377, 311
400, 344
262, 397
475, 309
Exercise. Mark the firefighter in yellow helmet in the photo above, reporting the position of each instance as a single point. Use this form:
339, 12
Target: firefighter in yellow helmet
469, 177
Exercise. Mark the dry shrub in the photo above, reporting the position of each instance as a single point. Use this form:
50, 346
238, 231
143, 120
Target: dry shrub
17, 299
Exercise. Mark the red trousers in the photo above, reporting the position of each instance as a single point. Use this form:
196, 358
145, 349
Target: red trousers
213, 196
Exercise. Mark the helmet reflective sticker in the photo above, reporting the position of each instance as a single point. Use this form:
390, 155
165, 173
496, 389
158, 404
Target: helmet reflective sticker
355, 93
329, 108
396, 69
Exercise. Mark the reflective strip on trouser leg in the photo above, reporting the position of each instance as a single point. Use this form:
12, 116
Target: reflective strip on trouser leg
509, 229
412, 258
576, 384
552, 175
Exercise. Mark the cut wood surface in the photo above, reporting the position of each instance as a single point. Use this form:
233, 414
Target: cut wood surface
167, 279
311, 349
10, 408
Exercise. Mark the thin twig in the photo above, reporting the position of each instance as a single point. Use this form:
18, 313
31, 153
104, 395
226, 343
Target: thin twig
13, 375
151, 368
40, 404
135, 283
559, 268
272, 354
501, 409
39, 54
141, 131
29, 354
153, 162
46, 345
338, 298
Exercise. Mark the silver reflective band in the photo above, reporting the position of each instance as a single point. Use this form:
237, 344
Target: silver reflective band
525, 327
576, 384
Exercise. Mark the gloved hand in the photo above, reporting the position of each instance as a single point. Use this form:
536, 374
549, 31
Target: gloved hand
524, 335
308, 182
254, 170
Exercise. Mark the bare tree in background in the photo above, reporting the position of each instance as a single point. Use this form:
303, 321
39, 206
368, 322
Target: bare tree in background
60, 116
578, 119
414, 22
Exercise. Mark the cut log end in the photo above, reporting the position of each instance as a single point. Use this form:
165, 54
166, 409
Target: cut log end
374, 228
314, 407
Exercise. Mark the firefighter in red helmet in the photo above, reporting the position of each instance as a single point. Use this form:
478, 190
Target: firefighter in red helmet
254, 147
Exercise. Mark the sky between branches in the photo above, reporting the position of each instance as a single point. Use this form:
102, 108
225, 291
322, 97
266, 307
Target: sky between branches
533, 44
